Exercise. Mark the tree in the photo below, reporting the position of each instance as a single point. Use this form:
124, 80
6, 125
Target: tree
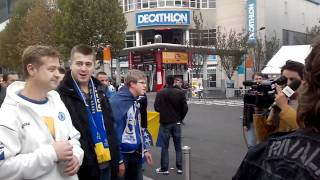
9, 37
38, 25
97, 23
312, 33
200, 56
227, 42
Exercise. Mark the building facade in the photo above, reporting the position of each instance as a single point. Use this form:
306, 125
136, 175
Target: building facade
185, 22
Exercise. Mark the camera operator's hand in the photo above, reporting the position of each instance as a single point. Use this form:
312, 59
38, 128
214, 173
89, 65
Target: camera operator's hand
281, 99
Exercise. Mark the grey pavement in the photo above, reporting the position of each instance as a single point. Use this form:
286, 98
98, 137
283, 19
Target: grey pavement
214, 133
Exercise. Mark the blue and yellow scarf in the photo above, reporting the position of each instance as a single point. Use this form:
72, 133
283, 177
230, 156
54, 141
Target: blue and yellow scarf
96, 122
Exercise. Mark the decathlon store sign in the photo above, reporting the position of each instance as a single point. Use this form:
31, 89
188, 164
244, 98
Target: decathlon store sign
156, 18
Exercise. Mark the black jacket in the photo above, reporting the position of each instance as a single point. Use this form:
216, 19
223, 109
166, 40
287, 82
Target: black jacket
89, 169
285, 156
143, 100
172, 105
3, 93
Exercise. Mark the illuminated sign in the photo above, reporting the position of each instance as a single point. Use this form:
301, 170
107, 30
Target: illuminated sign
251, 20
174, 58
157, 18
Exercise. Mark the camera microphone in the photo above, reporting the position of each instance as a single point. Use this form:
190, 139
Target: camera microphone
289, 90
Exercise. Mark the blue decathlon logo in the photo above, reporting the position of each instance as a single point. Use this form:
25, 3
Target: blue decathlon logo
1, 152
156, 18
61, 116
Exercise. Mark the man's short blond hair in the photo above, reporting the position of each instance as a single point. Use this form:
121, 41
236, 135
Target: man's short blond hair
33, 54
134, 75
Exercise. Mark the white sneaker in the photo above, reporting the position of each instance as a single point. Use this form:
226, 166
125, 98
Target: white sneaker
179, 171
161, 171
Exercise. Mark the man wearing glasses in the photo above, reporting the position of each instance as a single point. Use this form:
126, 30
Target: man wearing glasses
134, 140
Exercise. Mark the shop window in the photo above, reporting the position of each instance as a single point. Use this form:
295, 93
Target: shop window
185, 3
203, 37
130, 39
138, 5
198, 3
178, 3
170, 3
212, 80
162, 3
153, 3
145, 4
204, 4
130, 5
212, 3
192, 3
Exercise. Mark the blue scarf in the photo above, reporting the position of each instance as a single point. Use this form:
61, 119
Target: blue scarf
96, 122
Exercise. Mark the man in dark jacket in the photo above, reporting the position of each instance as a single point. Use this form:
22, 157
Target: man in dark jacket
171, 103
135, 141
91, 115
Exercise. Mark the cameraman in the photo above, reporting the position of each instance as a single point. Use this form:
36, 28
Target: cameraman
248, 111
294, 155
283, 117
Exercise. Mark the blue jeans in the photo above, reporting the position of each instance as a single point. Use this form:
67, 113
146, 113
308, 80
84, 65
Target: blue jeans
105, 174
251, 136
133, 165
169, 130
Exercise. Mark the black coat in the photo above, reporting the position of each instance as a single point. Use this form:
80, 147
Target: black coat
143, 111
172, 105
89, 169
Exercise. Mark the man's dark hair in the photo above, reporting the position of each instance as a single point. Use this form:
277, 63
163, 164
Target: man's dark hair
257, 74
5, 75
82, 49
293, 66
170, 80
101, 73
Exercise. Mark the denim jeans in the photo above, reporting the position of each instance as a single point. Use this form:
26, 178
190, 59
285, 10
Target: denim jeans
169, 130
105, 174
251, 136
133, 165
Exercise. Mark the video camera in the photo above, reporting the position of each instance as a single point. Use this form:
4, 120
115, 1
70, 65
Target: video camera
262, 94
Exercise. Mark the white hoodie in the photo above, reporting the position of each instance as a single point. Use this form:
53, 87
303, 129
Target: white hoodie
26, 150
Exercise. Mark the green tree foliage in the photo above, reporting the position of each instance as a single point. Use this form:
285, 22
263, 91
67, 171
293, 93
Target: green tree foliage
98, 23
230, 46
38, 25
9, 37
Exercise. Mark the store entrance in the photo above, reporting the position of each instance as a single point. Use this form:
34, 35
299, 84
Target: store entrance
174, 36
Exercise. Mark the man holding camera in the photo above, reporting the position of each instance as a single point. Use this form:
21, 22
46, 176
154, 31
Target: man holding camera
282, 117
287, 109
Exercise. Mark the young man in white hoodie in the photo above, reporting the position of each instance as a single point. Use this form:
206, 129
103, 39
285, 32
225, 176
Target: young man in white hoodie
37, 138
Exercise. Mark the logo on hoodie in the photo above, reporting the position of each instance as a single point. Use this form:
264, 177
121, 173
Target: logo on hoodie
61, 116
1, 152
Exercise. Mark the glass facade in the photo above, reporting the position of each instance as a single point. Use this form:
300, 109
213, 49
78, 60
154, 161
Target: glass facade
203, 37
6, 7
131, 5
130, 40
